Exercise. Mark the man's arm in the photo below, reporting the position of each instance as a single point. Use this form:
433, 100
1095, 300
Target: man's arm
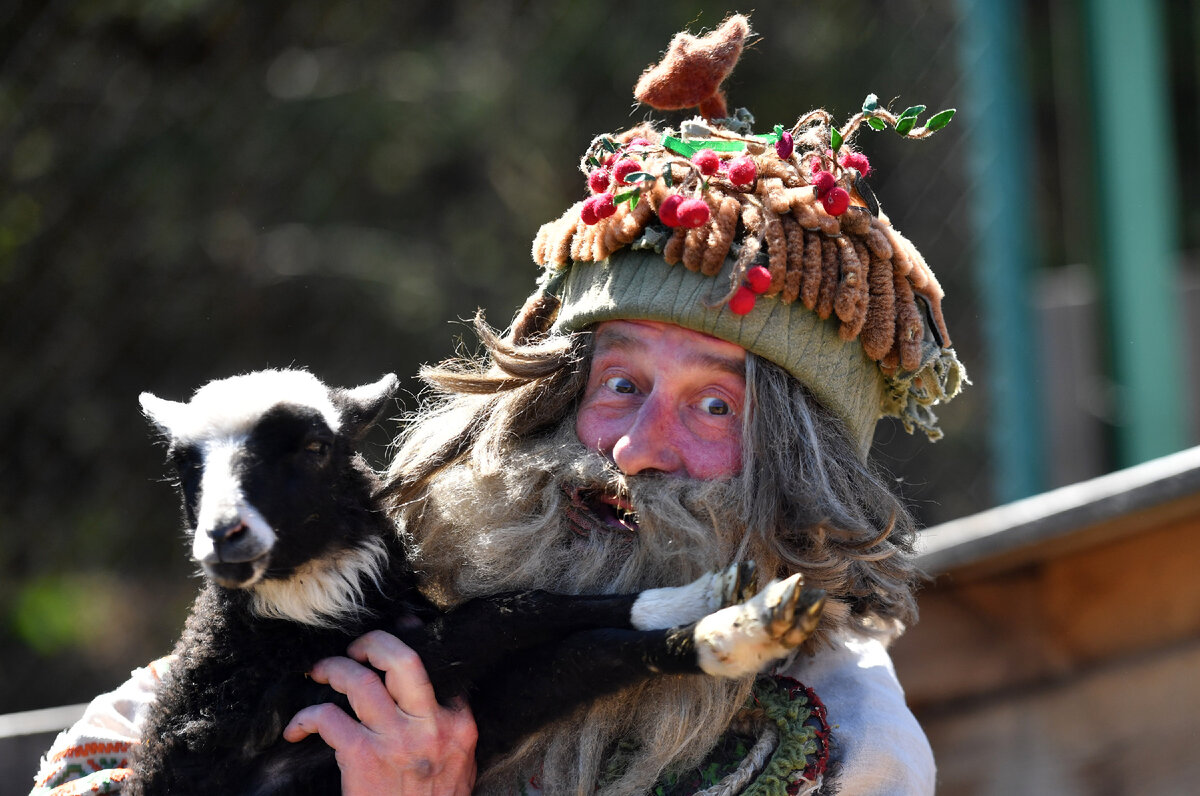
94, 752
880, 748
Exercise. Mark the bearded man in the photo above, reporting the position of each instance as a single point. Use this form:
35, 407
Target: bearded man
690, 385
679, 393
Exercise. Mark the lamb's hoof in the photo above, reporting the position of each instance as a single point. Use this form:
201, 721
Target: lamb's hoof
791, 612
742, 639
735, 584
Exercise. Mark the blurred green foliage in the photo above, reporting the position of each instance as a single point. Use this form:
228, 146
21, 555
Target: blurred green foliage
192, 188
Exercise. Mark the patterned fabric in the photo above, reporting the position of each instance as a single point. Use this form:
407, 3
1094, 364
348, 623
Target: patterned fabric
93, 756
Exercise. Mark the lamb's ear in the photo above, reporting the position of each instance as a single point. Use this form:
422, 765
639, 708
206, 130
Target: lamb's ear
164, 414
362, 407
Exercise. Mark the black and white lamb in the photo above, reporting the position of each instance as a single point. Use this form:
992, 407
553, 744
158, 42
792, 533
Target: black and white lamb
300, 560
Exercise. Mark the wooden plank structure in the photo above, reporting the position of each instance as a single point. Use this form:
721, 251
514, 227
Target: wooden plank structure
1058, 650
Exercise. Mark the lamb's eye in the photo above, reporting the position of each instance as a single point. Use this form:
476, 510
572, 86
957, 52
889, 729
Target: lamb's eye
318, 447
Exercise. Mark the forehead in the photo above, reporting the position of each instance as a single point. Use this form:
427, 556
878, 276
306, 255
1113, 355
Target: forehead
664, 343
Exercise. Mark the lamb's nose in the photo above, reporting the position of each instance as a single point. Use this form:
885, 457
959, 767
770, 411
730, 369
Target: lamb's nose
233, 543
228, 532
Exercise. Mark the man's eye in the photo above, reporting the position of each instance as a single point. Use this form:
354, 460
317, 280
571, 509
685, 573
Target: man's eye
715, 406
620, 384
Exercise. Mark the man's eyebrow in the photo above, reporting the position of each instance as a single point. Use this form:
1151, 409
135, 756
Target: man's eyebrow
614, 339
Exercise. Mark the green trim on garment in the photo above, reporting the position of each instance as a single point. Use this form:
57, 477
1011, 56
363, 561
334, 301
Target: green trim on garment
783, 704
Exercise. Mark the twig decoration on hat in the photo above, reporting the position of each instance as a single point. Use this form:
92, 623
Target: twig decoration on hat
786, 216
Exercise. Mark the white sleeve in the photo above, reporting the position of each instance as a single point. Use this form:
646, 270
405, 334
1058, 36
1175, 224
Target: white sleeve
97, 746
880, 748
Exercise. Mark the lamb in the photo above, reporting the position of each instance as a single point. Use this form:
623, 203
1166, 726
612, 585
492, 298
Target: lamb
299, 560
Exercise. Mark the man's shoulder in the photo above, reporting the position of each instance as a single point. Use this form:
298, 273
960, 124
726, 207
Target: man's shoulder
877, 745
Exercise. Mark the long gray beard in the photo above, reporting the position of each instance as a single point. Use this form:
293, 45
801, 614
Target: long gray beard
522, 527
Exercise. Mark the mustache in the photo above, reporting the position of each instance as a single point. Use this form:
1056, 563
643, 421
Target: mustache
561, 516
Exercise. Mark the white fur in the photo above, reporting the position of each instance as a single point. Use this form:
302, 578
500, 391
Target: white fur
230, 407
222, 501
322, 593
679, 605
742, 639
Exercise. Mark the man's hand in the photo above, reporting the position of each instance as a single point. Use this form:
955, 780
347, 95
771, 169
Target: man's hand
405, 742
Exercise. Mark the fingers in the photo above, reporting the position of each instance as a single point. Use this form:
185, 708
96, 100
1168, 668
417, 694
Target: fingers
329, 721
405, 686
405, 677
369, 699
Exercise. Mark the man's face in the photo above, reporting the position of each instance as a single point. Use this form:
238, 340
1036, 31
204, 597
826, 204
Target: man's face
664, 399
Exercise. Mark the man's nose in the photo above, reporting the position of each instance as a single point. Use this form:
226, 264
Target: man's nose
647, 445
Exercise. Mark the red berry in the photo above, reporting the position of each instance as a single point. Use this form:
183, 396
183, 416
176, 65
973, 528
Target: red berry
758, 279
824, 182
707, 161
624, 168
836, 201
692, 213
587, 214
610, 160
742, 301
668, 211
858, 161
603, 205
637, 142
599, 179
742, 171
784, 146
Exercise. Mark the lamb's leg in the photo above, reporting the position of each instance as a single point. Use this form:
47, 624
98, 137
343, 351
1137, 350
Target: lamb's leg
451, 645
545, 684
678, 605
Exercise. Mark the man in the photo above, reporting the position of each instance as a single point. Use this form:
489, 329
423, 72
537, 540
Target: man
646, 420
691, 384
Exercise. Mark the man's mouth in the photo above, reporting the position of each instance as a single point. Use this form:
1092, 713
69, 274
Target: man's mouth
597, 510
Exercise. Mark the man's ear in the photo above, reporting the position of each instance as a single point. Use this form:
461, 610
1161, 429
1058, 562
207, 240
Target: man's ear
362, 407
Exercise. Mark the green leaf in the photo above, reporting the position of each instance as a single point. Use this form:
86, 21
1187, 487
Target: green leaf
772, 137
608, 144
940, 120
593, 161
870, 104
875, 123
639, 176
913, 112
835, 139
628, 196
679, 146
668, 179
722, 146
905, 124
